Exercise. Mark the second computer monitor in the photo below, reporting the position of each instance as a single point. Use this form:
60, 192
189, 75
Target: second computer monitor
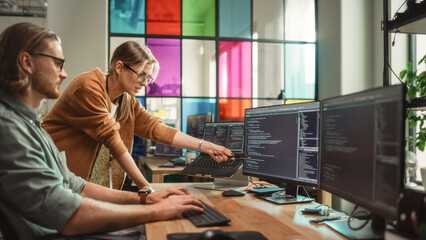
228, 134
362, 147
195, 124
282, 143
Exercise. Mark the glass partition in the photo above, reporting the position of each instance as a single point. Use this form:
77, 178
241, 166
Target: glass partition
233, 109
198, 68
196, 106
300, 71
167, 53
300, 20
198, 18
127, 16
163, 17
234, 69
235, 18
167, 109
268, 69
268, 19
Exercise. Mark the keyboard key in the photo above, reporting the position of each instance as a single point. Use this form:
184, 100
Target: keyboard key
209, 218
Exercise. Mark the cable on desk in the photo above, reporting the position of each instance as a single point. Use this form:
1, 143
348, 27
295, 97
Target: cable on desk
353, 214
304, 189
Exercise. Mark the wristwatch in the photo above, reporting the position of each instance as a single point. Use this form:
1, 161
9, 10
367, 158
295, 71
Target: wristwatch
143, 193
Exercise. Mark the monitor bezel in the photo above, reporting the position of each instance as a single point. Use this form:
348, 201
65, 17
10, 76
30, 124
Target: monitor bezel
374, 209
275, 179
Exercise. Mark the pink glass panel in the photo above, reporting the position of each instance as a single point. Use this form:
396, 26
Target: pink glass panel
167, 53
233, 109
235, 69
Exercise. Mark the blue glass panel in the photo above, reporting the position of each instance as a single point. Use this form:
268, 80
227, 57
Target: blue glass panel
300, 71
235, 18
139, 143
142, 101
195, 106
127, 16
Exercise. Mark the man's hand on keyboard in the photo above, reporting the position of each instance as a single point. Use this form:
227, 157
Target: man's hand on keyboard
175, 205
156, 197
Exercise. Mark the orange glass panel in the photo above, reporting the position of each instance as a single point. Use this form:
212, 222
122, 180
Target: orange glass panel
233, 109
163, 17
292, 101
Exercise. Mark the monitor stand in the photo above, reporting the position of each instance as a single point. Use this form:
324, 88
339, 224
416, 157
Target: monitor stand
291, 195
237, 180
367, 232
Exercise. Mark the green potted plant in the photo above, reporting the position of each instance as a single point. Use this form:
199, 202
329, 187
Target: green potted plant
416, 94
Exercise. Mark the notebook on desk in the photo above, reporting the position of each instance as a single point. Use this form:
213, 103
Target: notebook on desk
228, 134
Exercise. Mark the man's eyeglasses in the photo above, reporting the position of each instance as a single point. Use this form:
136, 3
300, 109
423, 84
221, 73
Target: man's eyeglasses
59, 62
142, 77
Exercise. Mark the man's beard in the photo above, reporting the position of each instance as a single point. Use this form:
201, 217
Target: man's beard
40, 83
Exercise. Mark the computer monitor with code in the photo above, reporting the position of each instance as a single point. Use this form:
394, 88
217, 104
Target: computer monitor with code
195, 124
230, 135
282, 145
362, 147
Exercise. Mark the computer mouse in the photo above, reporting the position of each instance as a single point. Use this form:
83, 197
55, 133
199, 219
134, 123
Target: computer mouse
233, 193
215, 234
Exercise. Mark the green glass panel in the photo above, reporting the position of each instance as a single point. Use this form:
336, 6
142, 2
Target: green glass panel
198, 18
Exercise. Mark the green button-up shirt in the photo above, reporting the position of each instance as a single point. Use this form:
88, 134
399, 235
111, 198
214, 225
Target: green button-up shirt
38, 193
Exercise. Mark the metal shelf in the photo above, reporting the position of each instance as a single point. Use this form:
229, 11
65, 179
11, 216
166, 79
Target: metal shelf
413, 20
417, 104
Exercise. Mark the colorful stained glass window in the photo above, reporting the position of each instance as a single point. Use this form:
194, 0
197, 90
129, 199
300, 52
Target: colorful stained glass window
220, 55
163, 17
196, 106
268, 69
142, 101
300, 20
198, 68
167, 109
268, 19
264, 103
198, 18
139, 143
127, 16
235, 69
293, 101
167, 53
300, 71
235, 18
233, 109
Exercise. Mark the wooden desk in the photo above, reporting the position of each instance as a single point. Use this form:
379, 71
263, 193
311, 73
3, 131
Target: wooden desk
247, 213
152, 163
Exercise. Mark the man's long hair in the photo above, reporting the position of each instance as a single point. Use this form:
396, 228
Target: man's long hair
16, 39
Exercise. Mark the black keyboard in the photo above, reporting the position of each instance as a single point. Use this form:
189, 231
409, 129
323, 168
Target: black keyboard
206, 165
210, 217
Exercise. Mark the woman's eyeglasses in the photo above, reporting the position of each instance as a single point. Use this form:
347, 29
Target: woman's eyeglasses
142, 77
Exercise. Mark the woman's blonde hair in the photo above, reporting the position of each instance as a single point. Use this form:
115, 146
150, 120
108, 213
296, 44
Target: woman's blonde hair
131, 53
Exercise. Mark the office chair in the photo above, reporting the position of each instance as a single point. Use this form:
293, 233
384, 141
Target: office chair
6, 229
